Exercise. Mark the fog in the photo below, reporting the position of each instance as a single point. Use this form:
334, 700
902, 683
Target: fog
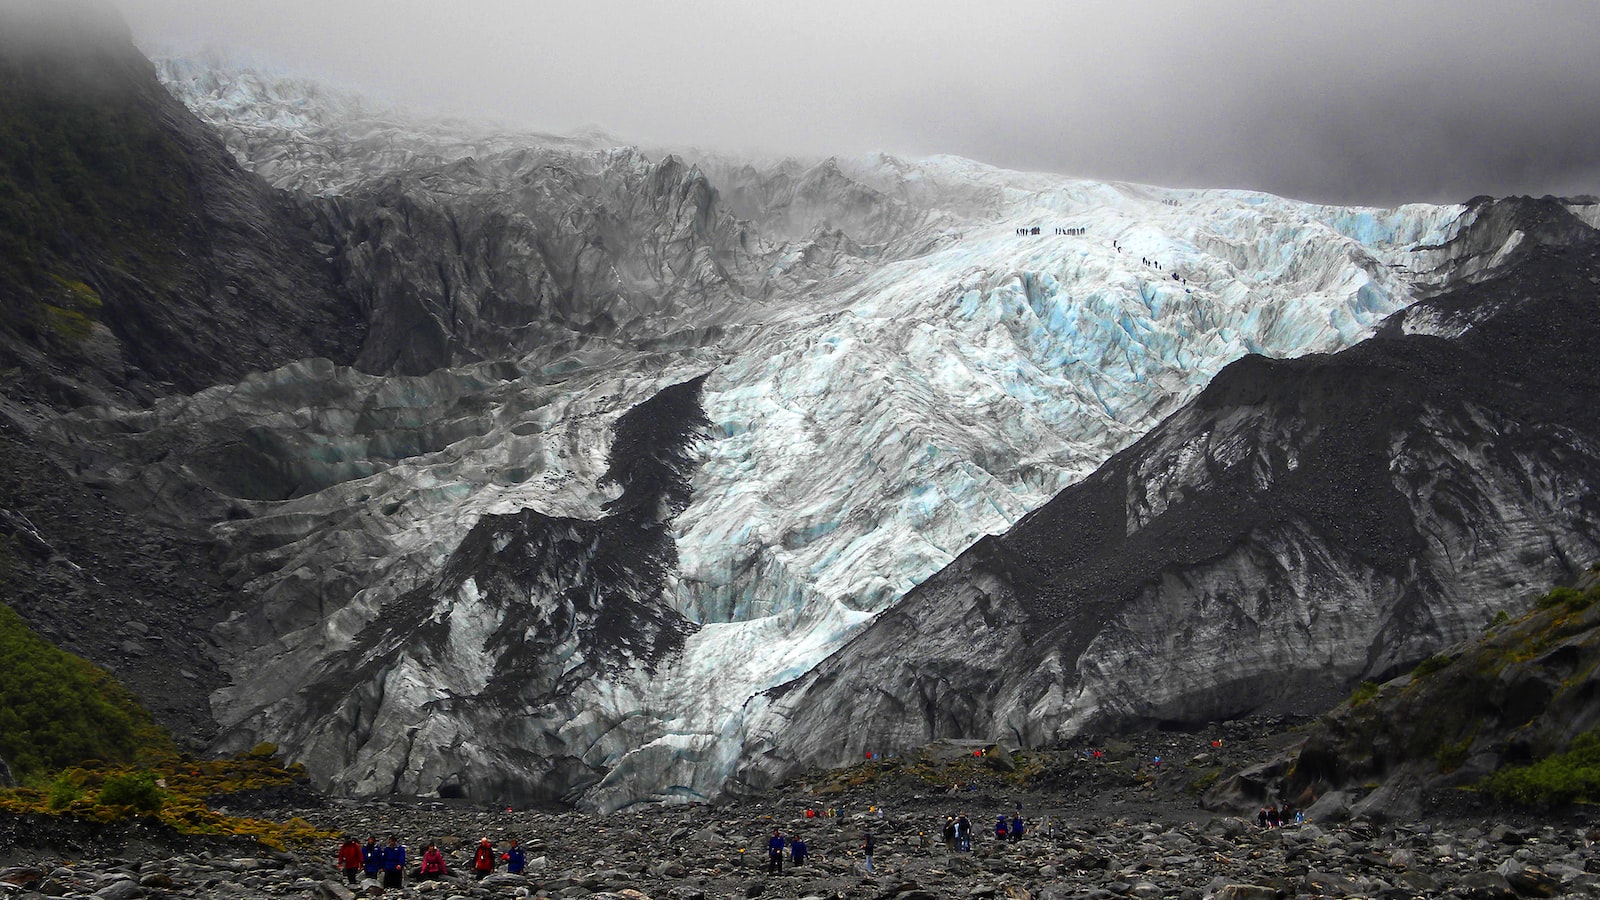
1351, 102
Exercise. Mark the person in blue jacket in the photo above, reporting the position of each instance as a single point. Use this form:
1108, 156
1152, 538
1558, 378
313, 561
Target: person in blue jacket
775, 853
797, 851
1017, 827
515, 859
394, 863
371, 857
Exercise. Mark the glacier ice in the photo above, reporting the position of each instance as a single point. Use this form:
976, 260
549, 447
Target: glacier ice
942, 377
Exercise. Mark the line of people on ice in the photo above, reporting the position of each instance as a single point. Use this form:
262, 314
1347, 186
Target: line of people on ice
386, 863
1027, 230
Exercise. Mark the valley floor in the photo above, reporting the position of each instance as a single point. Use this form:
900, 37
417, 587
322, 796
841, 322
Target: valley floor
1106, 829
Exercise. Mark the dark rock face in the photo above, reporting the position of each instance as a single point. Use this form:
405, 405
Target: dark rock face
526, 251
1519, 693
528, 618
1300, 525
137, 257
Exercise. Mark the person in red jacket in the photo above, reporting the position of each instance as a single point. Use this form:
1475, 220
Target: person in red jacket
433, 867
483, 860
350, 858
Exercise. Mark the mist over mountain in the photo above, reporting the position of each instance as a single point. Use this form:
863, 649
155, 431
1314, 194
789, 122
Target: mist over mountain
542, 468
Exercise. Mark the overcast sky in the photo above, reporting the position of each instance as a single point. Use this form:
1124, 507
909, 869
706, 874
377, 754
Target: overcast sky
1355, 102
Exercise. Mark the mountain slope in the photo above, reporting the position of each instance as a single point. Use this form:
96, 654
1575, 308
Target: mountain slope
1300, 525
1518, 694
135, 256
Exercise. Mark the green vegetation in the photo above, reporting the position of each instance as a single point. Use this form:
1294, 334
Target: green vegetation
1570, 777
83, 746
1451, 756
1364, 692
1570, 599
75, 309
58, 710
1431, 665
135, 790
174, 791
1203, 783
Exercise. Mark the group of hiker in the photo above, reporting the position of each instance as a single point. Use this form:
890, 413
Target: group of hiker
958, 830
797, 851
1273, 817
386, 863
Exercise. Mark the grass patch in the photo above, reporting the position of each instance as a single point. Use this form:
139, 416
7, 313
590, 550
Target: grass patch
1364, 692
173, 791
68, 323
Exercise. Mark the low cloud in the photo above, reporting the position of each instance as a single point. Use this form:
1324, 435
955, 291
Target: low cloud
1352, 102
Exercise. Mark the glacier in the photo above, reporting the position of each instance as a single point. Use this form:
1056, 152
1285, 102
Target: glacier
889, 370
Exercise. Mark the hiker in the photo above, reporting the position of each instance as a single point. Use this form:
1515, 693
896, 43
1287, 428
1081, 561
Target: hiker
394, 863
433, 866
1000, 828
1261, 818
483, 860
950, 833
797, 851
1273, 817
350, 858
371, 858
775, 853
1017, 827
866, 847
515, 859
963, 833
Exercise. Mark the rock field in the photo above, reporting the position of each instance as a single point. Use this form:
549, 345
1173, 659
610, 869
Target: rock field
1109, 829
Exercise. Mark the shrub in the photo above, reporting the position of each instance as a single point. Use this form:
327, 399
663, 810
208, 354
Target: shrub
1431, 665
1570, 777
64, 791
135, 790
1571, 599
1364, 691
